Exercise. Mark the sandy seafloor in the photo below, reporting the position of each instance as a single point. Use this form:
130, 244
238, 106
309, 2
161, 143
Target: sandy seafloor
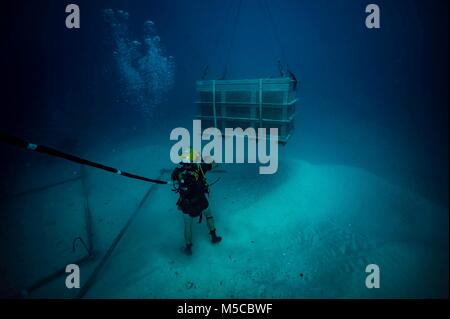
306, 232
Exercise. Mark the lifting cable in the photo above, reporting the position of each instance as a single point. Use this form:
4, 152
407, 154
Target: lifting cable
232, 39
277, 37
274, 29
16, 141
267, 11
218, 39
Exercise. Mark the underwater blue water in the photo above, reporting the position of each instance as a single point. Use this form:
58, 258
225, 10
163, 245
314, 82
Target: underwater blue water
363, 178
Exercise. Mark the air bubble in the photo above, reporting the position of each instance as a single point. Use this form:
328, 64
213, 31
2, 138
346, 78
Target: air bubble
147, 74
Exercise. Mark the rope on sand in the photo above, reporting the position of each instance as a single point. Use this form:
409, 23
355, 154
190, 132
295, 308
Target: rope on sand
114, 244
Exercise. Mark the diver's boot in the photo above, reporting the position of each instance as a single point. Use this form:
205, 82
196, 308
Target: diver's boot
214, 238
188, 249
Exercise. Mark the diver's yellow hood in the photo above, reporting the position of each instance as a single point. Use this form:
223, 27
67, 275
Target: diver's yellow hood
190, 156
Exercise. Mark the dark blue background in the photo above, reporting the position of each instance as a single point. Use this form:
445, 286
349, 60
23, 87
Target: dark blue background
60, 82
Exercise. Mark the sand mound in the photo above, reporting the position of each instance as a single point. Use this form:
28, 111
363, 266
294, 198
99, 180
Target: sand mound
308, 231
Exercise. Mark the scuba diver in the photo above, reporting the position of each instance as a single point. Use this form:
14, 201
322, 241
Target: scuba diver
190, 182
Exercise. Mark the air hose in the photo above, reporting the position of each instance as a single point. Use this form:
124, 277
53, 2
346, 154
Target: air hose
19, 142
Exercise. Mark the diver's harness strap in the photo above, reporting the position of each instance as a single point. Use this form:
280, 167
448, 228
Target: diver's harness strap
177, 188
176, 183
16, 141
200, 218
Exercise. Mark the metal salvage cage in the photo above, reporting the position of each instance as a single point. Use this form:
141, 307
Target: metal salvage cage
258, 103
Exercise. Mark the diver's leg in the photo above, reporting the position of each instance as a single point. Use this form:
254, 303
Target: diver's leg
209, 219
211, 226
188, 233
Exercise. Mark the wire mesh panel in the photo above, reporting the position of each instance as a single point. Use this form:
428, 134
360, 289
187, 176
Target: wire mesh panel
257, 103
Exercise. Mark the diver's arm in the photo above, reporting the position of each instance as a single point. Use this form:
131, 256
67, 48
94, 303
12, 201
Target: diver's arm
174, 175
174, 178
209, 164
